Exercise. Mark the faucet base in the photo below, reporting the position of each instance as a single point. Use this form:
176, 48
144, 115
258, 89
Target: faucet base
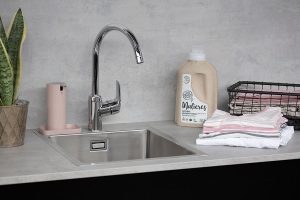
95, 123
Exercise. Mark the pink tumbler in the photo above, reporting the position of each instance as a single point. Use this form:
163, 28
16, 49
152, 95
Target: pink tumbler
56, 101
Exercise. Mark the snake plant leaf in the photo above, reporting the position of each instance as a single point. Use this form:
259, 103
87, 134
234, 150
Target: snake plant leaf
16, 36
6, 77
3, 36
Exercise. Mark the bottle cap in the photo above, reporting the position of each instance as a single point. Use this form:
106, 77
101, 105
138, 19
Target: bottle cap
197, 54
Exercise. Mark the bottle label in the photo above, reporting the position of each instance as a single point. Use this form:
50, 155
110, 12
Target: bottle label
193, 111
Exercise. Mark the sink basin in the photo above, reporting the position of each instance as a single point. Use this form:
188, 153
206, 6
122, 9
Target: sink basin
94, 148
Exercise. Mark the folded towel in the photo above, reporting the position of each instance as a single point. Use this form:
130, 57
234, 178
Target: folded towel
244, 140
268, 121
237, 134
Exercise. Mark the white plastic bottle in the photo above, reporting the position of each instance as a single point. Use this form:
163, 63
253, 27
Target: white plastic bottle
197, 88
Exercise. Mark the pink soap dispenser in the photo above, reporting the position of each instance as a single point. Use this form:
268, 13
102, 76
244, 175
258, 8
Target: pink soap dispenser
56, 101
56, 111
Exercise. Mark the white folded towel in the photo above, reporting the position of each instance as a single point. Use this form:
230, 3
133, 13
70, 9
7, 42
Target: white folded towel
268, 118
244, 140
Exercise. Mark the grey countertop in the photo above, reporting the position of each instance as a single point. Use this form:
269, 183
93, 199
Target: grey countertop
37, 161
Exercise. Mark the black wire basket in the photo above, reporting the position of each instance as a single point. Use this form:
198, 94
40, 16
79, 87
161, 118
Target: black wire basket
246, 97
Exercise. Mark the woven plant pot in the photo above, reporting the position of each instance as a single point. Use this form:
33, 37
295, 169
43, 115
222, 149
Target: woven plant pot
13, 124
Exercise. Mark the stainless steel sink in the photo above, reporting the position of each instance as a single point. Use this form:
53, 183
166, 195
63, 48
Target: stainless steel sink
93, 148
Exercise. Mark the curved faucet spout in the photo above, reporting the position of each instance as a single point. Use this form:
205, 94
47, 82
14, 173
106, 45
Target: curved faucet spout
98, 108
98, 41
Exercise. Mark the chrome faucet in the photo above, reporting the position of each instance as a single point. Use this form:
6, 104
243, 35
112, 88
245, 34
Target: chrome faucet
97, 108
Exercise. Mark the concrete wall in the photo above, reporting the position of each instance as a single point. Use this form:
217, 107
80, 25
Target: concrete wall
245, 40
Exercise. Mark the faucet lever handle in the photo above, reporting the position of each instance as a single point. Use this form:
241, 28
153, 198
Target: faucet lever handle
118, 91
112, 106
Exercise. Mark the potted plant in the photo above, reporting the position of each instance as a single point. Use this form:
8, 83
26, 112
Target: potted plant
13, 112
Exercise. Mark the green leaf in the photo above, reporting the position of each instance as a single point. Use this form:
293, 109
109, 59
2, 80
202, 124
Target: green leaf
1, 103
3, 36
6, 77
16, 36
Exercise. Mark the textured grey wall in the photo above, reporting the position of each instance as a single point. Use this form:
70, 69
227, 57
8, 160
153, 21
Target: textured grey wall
244, 39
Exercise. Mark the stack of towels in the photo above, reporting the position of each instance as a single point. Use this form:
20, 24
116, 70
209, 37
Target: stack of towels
265, 129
